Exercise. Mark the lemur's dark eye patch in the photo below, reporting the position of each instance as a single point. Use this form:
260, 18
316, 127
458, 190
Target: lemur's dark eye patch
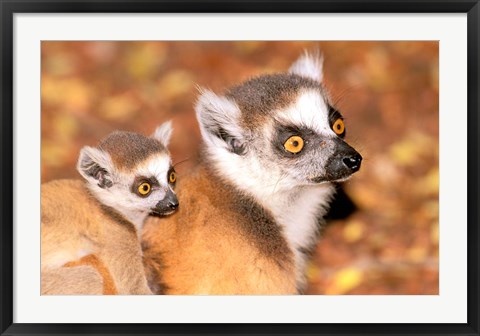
291, 140
142, 186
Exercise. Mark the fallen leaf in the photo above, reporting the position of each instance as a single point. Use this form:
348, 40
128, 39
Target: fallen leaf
119, 108
353, 231
345, 280
417, 254
175, 83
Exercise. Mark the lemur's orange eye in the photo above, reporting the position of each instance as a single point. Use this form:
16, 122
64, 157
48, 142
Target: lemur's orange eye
338, 126
172, 177
144, 188
294, 144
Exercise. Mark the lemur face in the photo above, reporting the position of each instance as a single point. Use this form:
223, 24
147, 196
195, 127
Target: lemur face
280, 129
304, 142
132, 173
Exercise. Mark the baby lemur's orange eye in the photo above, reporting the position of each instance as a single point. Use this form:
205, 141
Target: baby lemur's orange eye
172, 177
294, 144
338, 126
144, 188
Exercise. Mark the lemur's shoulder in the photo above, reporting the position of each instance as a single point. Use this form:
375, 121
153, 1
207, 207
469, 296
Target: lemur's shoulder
68, 200
70, 188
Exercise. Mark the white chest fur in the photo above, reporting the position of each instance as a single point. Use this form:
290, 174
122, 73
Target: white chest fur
298, 212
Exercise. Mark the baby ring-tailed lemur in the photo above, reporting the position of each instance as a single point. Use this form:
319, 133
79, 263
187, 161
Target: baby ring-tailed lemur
250, 213
90, 231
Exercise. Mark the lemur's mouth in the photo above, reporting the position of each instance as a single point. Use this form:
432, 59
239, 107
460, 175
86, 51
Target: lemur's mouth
323, 179
337, 176
165, 206
161, 213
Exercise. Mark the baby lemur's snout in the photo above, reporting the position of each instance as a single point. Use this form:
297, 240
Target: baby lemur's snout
167, 205
344, 161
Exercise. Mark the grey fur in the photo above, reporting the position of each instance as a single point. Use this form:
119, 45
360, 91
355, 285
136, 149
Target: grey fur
260, 96
127, 149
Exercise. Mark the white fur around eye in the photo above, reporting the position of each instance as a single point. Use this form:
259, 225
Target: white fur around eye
157, 166
309, 110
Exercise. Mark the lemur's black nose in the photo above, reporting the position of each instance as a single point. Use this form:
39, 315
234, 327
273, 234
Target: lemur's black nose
353, 162
167, 205
171, 200
173, 204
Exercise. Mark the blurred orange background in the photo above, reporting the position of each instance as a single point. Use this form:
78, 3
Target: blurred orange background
387, 92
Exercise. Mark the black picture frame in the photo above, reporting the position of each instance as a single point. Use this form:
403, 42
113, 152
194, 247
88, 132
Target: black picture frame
10, 7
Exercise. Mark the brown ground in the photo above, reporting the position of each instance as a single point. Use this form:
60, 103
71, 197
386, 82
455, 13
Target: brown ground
388, 92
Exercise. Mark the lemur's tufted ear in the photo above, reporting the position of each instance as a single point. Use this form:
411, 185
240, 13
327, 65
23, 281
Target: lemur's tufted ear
95, 166
218, 117
163, 133
309, 66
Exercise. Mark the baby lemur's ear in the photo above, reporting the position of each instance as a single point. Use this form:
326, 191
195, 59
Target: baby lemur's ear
163, 133
219, 117
309, 66
95, 166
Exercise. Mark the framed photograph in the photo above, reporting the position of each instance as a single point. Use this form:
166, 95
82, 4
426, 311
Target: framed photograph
375, 102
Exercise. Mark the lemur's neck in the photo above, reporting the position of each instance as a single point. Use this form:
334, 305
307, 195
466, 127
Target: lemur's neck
133, 219
300, 213
297, 210
136, 219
